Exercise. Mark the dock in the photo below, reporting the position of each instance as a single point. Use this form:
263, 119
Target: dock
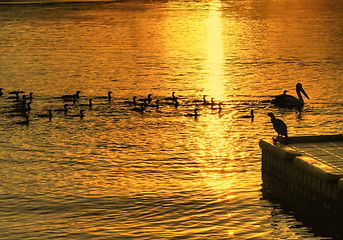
306, 170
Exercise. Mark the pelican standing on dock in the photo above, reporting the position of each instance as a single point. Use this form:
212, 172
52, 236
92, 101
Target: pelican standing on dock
279, 126
285, 100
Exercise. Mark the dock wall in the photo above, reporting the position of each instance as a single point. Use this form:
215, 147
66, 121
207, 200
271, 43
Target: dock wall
301, 179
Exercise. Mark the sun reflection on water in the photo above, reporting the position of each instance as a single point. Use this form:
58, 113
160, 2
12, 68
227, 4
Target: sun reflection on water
215, 52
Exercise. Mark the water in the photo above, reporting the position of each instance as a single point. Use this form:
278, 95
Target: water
120, 174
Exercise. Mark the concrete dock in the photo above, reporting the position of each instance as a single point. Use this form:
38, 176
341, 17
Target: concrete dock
307, 170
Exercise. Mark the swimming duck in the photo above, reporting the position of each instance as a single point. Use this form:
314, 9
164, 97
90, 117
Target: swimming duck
108, 97
25, 122
133, 102
80, 115
73, 97
65, 109
89, 104
195, 114
279, 126
148, 99
285, 100
1, 93
141, 108
172, 98
157, 105
251, 116
46, 115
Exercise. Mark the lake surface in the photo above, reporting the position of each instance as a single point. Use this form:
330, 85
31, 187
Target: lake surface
122, 174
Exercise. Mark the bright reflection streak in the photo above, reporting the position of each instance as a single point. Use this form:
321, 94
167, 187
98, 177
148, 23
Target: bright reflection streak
215, 52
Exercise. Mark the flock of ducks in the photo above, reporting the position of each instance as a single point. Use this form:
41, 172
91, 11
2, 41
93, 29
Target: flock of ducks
22, 106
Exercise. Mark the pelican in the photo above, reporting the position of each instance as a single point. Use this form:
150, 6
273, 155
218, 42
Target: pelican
279, 125
285, 100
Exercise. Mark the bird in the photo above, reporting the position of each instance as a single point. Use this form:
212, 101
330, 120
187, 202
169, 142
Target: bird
251, 116
1, 93
133, 102
288, 101
219, 108
195, 114
89, 104
148, 99
25, 122
172, 98
65, 109
279, 126
46, 115
73, 97
80, 114
157, 105
141, 108
108, 97
203, 101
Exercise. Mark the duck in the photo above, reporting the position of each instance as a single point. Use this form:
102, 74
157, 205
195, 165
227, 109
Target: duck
157, 105
148, 99
195, 114
73, 97
133, 102
108, 97
25, 122
251, 116
172, 98
1, 93
46, 115
279, 126
219, 108
141, 108
89, 104
80, 114
65, 109
288, 101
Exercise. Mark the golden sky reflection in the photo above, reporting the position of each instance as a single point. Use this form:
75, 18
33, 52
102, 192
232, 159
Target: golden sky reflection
215, 53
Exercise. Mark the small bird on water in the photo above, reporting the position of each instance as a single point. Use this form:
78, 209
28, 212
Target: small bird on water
279, 126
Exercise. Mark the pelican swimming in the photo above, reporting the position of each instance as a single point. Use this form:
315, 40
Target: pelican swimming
279, 126
285, 100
